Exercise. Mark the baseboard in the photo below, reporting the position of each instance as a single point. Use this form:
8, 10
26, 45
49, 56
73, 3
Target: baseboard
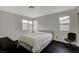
59, 42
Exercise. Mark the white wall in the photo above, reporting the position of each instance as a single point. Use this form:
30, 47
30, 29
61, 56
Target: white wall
78, 29
10, 25
51, 22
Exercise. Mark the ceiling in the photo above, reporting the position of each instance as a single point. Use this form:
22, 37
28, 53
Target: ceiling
36, 11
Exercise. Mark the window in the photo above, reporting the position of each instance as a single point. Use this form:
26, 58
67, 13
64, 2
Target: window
64, 27
64, 23
35, 26
29, 25
24, 24
64, 20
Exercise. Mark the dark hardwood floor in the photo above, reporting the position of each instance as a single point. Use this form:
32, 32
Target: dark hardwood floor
53, 47
59, 47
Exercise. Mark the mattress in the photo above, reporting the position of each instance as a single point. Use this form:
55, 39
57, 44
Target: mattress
36, 40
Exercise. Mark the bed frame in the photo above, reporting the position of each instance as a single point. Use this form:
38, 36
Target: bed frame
25, 45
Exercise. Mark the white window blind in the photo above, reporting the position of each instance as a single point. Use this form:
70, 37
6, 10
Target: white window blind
35, 26
65, 19
29, 25
64, 23
24, 24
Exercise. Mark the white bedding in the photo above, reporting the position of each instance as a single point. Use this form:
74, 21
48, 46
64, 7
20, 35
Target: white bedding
36, 40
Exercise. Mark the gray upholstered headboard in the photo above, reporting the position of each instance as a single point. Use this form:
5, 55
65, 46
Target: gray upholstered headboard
48, 31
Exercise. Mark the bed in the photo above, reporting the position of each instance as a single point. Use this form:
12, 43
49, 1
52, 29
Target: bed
35, 42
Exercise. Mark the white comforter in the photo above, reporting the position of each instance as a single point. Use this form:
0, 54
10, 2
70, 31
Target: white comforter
36, 40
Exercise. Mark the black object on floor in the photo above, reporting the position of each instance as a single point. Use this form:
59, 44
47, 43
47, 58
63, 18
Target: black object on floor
53, 47
6, 42
71, 38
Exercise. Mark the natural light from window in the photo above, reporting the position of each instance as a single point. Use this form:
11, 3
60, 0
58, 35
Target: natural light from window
64, 23
65, 19
35, 25
30, 25
24, 24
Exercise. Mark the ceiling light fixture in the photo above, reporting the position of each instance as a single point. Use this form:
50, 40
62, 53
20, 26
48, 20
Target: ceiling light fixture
31, 7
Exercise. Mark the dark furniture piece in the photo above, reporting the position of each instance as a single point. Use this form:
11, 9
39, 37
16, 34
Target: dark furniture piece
6, 43
71, 38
